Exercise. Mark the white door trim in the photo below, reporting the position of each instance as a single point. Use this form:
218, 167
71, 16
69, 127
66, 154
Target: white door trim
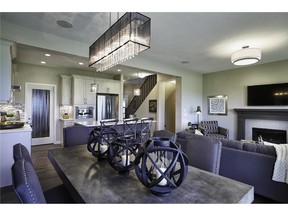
28, 102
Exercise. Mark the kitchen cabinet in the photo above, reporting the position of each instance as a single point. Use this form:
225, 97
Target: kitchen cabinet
8, 138
81, 91
5, 72
63, 124
109, 87
66, 90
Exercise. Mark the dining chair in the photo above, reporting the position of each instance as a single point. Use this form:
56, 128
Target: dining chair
203, 152
20, 151
165, 134
28, 188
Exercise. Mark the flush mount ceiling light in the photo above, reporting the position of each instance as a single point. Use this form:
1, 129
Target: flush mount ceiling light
64, 24
127, 37
246, 56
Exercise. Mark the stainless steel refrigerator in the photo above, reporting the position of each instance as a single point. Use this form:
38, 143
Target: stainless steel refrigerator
107, 106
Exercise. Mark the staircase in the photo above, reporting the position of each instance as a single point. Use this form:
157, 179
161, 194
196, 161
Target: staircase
145, 89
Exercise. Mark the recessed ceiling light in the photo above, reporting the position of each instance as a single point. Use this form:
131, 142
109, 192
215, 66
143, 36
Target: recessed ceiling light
80, 63
64, 24
47, 54
43, 62
119, 70
185, 62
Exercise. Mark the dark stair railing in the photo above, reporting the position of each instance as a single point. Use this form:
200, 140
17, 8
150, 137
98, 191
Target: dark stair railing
145, 89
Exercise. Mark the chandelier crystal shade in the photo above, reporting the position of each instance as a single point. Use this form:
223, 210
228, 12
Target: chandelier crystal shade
127, 37
246, 56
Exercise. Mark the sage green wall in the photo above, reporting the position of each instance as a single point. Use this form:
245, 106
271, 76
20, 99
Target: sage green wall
45, 75
233, 83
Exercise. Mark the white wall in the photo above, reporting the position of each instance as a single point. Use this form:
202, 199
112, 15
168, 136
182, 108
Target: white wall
233, 83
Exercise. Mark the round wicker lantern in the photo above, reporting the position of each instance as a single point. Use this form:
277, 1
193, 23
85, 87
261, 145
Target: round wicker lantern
122, 153
161, 165
99, 141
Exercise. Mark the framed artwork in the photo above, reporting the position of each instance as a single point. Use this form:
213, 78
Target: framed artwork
217, 105
152, 105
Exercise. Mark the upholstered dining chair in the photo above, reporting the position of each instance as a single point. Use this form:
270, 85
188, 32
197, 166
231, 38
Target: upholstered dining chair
203, 152
165, 134
26, 183
20, 151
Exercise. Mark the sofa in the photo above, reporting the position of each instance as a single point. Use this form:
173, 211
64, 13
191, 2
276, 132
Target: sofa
250, 163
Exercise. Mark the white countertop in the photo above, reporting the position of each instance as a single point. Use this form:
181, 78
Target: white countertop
25, 128
70, 119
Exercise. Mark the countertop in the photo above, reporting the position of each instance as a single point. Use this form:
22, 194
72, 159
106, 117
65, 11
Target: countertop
94, 181
25, 128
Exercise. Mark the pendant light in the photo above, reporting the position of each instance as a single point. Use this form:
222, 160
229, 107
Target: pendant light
94, 86
137, 91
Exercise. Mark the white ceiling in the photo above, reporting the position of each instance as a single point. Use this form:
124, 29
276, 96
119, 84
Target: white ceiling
205, 40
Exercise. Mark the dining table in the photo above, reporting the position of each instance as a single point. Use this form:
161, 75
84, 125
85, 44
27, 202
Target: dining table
90, 180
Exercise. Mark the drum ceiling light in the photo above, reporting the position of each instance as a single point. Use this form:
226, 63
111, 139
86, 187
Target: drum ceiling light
127, 37
246, 56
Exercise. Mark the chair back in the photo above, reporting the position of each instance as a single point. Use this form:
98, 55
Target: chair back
211, 127
203, 152
20, 151
129, 127
165, 134
112, 123
26, 183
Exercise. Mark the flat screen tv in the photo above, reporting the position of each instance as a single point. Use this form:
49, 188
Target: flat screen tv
268, 95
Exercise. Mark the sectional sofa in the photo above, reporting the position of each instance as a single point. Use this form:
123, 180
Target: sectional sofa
249, 163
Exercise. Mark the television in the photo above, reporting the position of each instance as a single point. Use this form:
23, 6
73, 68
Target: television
268, 95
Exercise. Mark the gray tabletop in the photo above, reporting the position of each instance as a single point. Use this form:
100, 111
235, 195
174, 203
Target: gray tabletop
93, 181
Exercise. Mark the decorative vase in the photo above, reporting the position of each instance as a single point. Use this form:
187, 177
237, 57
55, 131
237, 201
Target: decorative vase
161, 165
99, 141
122, 153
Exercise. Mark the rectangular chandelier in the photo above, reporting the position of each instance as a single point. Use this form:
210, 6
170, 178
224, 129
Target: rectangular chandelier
127, 37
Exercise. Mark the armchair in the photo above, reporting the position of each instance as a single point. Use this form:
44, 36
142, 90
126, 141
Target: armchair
211, 129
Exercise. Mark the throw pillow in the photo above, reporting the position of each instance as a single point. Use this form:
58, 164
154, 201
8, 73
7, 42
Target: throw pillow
198, 132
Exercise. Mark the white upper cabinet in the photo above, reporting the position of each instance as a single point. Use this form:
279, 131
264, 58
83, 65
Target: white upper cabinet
81, 91
5, 72
109, 87
66, 90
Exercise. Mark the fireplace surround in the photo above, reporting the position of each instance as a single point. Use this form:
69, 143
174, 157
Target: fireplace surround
263, 114
270, 135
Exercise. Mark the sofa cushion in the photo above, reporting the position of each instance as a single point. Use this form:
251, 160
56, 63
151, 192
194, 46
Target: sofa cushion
259, 148
232, 144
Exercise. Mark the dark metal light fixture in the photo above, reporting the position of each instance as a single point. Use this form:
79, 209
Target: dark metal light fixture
127, 37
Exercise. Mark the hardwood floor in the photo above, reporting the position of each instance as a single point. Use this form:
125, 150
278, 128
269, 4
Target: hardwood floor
49, 178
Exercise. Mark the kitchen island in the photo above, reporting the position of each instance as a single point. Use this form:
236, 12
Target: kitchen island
8, 138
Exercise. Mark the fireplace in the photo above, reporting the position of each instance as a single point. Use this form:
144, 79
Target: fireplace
244, 114
269, 135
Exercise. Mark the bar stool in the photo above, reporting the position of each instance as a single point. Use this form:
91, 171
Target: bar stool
146, 125
111, 123
129, 127
101, 137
